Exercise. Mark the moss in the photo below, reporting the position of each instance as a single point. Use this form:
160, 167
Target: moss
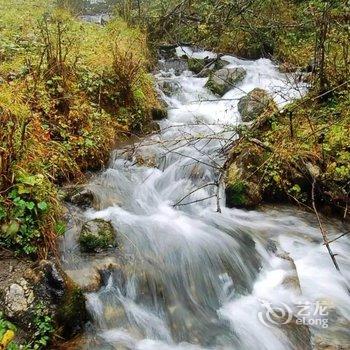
72, 314
235, 194
196, 65
96, 235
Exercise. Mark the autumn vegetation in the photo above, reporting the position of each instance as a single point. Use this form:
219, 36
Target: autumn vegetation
68, 91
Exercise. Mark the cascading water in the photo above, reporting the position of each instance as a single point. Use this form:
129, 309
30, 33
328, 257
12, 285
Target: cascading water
189, 277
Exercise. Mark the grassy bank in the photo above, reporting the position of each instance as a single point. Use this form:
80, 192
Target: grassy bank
308, 141
68, 90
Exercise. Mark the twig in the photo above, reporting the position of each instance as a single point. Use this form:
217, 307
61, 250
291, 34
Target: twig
195, 190
324, 233
198, 200
335, 239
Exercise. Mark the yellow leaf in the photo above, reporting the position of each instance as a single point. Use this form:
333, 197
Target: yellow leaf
6, 339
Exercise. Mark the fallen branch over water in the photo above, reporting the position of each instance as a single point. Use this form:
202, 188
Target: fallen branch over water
325, 233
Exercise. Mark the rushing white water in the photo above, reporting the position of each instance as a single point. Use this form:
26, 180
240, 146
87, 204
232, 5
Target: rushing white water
192, 278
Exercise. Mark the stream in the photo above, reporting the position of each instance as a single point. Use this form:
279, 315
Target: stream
187, 277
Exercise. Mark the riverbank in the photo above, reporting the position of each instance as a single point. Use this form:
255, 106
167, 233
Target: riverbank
280, 157
69, 92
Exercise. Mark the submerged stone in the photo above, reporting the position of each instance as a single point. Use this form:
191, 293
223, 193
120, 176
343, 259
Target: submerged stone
177, 65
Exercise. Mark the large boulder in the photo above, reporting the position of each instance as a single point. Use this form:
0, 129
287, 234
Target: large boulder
254, 104
225, 79
96, 235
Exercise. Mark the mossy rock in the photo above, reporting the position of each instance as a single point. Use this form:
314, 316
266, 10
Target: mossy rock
205, 66
225, 79
169, 87
96, 235
159, 113
239, 192
79, 195
72, 314
254, 104
242, 194
196, 65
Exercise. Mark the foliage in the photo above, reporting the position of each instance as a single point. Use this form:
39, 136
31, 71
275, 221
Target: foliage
320, 137
282, 29
44, 328
7, 333
67, 90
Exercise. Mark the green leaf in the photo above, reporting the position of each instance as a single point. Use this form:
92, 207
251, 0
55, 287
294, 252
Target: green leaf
42, 206
27, 179
60, 228
30, 205
2, 213
11, 229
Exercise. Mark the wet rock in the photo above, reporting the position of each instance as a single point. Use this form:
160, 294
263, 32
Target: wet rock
197, 172
151, 127
52, 283
96, 235
329, 343
298, 334
178, 65
146, 160
204, 67
254, 104
291, 281
79, 195
197, 65
72, 314
159, 113
90, 278
169, 87
225, 79
167, 51
221, 63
